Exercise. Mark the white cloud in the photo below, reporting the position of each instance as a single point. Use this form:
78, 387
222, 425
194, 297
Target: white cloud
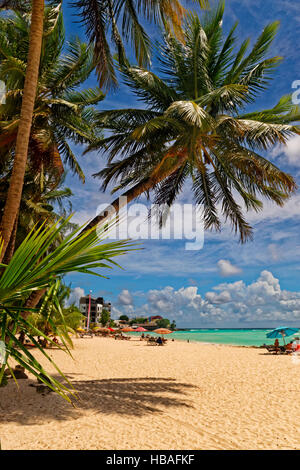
221, 298
228, 269
261, 302
291, 151
76, 293
125, 297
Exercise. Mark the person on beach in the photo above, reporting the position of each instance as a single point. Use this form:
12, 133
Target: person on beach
159, 341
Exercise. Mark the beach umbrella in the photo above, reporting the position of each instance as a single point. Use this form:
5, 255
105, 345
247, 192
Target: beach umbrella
282, 331
140, 328
127, 329
163, 331
81, 330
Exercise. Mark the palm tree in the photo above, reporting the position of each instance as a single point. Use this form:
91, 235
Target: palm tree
194, 125
95, 19
42, 201
19, 5
53, 319
63, 110
34, 266
28, 99
121, 19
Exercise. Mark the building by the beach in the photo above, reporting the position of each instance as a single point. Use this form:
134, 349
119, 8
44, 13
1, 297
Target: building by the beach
97, 305
155, 318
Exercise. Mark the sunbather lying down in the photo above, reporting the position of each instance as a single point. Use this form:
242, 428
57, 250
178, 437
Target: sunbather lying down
276, 348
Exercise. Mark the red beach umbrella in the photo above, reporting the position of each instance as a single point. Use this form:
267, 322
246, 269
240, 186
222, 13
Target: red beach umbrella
140, 328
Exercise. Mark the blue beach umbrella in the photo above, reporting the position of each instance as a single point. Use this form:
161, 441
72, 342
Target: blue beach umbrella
282, 331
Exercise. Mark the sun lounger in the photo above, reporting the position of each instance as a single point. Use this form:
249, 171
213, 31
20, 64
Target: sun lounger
151, 342
270, 348
87, 334
280, 350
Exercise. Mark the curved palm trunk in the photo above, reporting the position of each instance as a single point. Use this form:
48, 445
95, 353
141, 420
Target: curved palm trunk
12, 242
17, 178
129, 195
32, 301
133, 193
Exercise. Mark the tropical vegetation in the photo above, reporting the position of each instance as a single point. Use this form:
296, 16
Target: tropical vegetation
36, 265
62, 115
193, 128
54, 318
105, 317
64, 110
97, 16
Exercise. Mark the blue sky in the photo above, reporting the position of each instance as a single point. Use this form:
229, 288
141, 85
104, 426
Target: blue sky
225, 284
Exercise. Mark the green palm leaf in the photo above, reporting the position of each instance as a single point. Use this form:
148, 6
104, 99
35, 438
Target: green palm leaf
35, 265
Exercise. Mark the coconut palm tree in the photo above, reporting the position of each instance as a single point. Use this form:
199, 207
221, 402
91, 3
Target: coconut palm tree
44, 199
194, 126
96, 15
52, 318
36, 265
63, 110
18, 5
28, 99
121, 20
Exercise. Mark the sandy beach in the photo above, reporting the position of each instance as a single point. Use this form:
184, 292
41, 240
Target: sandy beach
182, 396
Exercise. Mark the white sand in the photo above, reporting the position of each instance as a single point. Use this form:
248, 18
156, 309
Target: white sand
181, 396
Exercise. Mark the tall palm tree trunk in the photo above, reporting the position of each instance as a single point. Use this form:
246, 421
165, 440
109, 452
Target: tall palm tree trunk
29, 94
12, 242
134, 192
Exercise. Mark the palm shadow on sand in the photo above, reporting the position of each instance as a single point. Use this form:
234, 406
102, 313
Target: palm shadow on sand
121, 396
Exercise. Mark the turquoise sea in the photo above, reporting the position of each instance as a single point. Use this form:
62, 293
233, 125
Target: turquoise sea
240, 337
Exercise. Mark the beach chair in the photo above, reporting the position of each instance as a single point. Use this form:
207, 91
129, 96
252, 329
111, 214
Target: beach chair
151, 342
280, 350
87, 334
270, 348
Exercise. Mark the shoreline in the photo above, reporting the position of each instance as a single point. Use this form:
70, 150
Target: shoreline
205, 342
